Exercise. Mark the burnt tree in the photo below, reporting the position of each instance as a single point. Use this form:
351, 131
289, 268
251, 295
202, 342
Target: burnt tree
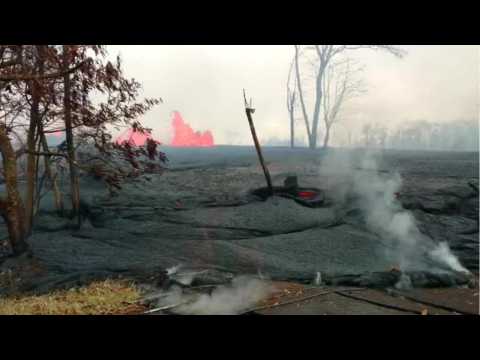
325, 55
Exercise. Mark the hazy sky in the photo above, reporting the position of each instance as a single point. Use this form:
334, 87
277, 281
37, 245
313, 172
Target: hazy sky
204, 83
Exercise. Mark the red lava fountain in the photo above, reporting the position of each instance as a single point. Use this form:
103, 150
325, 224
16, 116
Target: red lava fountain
57, 134
184, 136
133, 137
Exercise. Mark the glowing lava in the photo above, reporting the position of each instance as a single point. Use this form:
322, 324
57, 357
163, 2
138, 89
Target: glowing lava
55, 138
58, 134
133, 137
184, 135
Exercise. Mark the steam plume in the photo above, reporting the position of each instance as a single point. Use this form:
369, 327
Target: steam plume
375, 196
242, 294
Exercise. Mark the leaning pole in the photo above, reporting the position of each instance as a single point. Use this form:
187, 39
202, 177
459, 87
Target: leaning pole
249, 111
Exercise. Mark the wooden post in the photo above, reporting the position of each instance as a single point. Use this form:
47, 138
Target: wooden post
249, 111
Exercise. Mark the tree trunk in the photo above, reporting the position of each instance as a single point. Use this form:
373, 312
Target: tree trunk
327, 136
12, 209
39, 183
316, 109
300, 95
292, 129
31, 160
74, 185
57, 195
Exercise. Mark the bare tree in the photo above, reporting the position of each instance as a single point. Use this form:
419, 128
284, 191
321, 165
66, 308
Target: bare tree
381, 136
377, 135
300, 94
325, 54
366, 130
291, 102
291, 97
341, 83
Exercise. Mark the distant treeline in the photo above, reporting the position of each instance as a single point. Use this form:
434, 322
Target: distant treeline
459, 135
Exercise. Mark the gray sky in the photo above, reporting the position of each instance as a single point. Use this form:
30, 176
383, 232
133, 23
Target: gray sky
204, 83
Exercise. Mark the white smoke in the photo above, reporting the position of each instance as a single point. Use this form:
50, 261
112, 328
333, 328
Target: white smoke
242, 294
442, 251
376, 194
174, 269
184, 278
405, 283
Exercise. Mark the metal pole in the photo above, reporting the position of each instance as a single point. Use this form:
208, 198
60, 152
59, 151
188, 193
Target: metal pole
249, 111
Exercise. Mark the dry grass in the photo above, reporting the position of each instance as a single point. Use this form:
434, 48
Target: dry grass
98, 298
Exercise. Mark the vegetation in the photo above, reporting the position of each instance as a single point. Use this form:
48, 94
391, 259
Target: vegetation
70, 89
109, 297
334, 83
